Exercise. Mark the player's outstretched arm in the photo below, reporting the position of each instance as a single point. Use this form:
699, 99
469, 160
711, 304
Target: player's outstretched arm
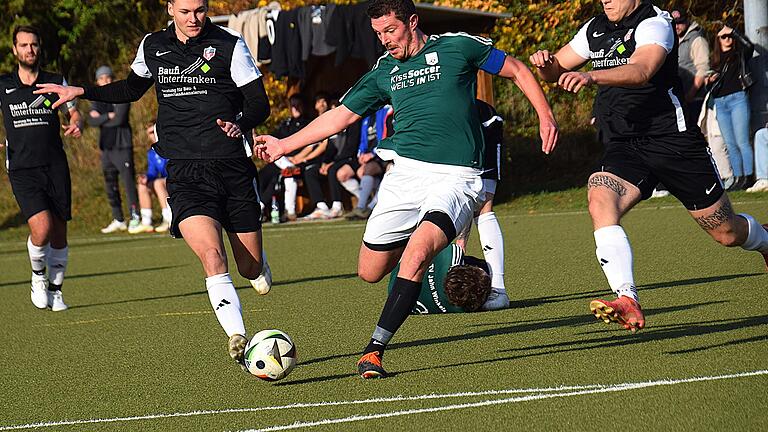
515, 70
331, 122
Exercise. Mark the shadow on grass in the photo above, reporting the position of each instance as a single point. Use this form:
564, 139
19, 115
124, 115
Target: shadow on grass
74, 243
538, 301
110, 273
724, 344
618, 340
189, 294
521, 327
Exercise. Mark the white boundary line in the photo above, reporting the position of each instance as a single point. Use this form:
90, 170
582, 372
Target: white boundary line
602, 389
560, 391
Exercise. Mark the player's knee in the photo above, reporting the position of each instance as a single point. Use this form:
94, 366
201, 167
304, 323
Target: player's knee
369, 276
213, 259
728, 238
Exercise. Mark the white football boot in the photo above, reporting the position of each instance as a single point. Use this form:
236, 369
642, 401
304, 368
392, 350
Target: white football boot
56, 301
39, 293
497, 299
263, 283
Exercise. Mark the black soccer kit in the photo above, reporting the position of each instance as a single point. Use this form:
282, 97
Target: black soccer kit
211, 76
647, 135
35, 158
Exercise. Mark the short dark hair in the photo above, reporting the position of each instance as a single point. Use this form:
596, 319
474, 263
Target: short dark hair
25, 29
324, 96
296, 101
403, 9
467, 287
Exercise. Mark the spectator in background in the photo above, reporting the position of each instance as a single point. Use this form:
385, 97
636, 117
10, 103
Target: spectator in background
693, 60
116, 145
153, 180
711, 130
340, 164
375, 128
311, 159
270, 175
761, 160
729, 84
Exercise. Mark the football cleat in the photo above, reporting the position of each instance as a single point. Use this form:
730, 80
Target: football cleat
236, 348
497, 299
624, 310
263, 283
56, 300
114, 226
136, 227
39, 292
369, 366
163, 227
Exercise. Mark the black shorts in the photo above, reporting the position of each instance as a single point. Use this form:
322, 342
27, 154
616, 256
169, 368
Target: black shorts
43, 188
222, 189
680, 161
492, 163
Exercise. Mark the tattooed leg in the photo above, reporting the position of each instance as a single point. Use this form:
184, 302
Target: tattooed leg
608, 182
715, 220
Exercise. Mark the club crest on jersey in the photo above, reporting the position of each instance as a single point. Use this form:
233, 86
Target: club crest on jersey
209, 52
431, 58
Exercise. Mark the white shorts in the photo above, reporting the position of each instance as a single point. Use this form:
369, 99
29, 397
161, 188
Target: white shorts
489, 185
410, 190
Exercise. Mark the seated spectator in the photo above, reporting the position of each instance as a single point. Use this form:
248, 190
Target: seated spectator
270, 175
153, 180
340, 165
761, 161
371, 167
311, 160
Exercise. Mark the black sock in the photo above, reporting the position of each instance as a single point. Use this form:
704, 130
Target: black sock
39, 273
399, 304
53, 287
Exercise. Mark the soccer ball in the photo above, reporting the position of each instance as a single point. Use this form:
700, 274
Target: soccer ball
270, 355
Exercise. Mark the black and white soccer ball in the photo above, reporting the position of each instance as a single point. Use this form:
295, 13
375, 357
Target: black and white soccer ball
270, 355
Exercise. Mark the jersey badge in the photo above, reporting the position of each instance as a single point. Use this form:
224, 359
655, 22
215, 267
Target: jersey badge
209, 52
431, 58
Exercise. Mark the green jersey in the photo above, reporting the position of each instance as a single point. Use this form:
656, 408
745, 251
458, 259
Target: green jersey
432, 299
433, 96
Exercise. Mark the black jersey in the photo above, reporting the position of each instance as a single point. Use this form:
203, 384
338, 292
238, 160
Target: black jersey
32, 127
649, 110
196, 83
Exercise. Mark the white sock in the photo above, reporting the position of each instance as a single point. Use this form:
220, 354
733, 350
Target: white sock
291, 188
757, 239
57, 265
492, 241
167, 214
615, 257
337, 205
225, 303
146, 216
322, 205
37, 256
352, 186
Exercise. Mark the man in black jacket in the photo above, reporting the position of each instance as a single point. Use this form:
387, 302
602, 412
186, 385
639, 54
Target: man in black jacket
208, 91
116, 145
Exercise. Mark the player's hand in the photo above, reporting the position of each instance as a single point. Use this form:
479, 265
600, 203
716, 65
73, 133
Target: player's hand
324, 168
73, 129
549, 133
94, 114
232, 130
65, 93
575, 81
364, 158
267, 148
542, 59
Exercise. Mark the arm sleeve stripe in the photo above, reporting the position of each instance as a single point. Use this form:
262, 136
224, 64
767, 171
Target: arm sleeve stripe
139, 66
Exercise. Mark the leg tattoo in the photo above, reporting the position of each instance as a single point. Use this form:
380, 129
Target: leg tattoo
609, 182
719, 217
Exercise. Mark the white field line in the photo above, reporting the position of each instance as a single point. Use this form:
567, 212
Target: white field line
533, 397
131, 317
540, 393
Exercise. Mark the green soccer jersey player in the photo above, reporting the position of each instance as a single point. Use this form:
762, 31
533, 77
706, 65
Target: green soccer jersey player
453, 283
434, 186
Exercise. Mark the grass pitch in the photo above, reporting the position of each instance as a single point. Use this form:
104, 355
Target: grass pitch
140, 349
